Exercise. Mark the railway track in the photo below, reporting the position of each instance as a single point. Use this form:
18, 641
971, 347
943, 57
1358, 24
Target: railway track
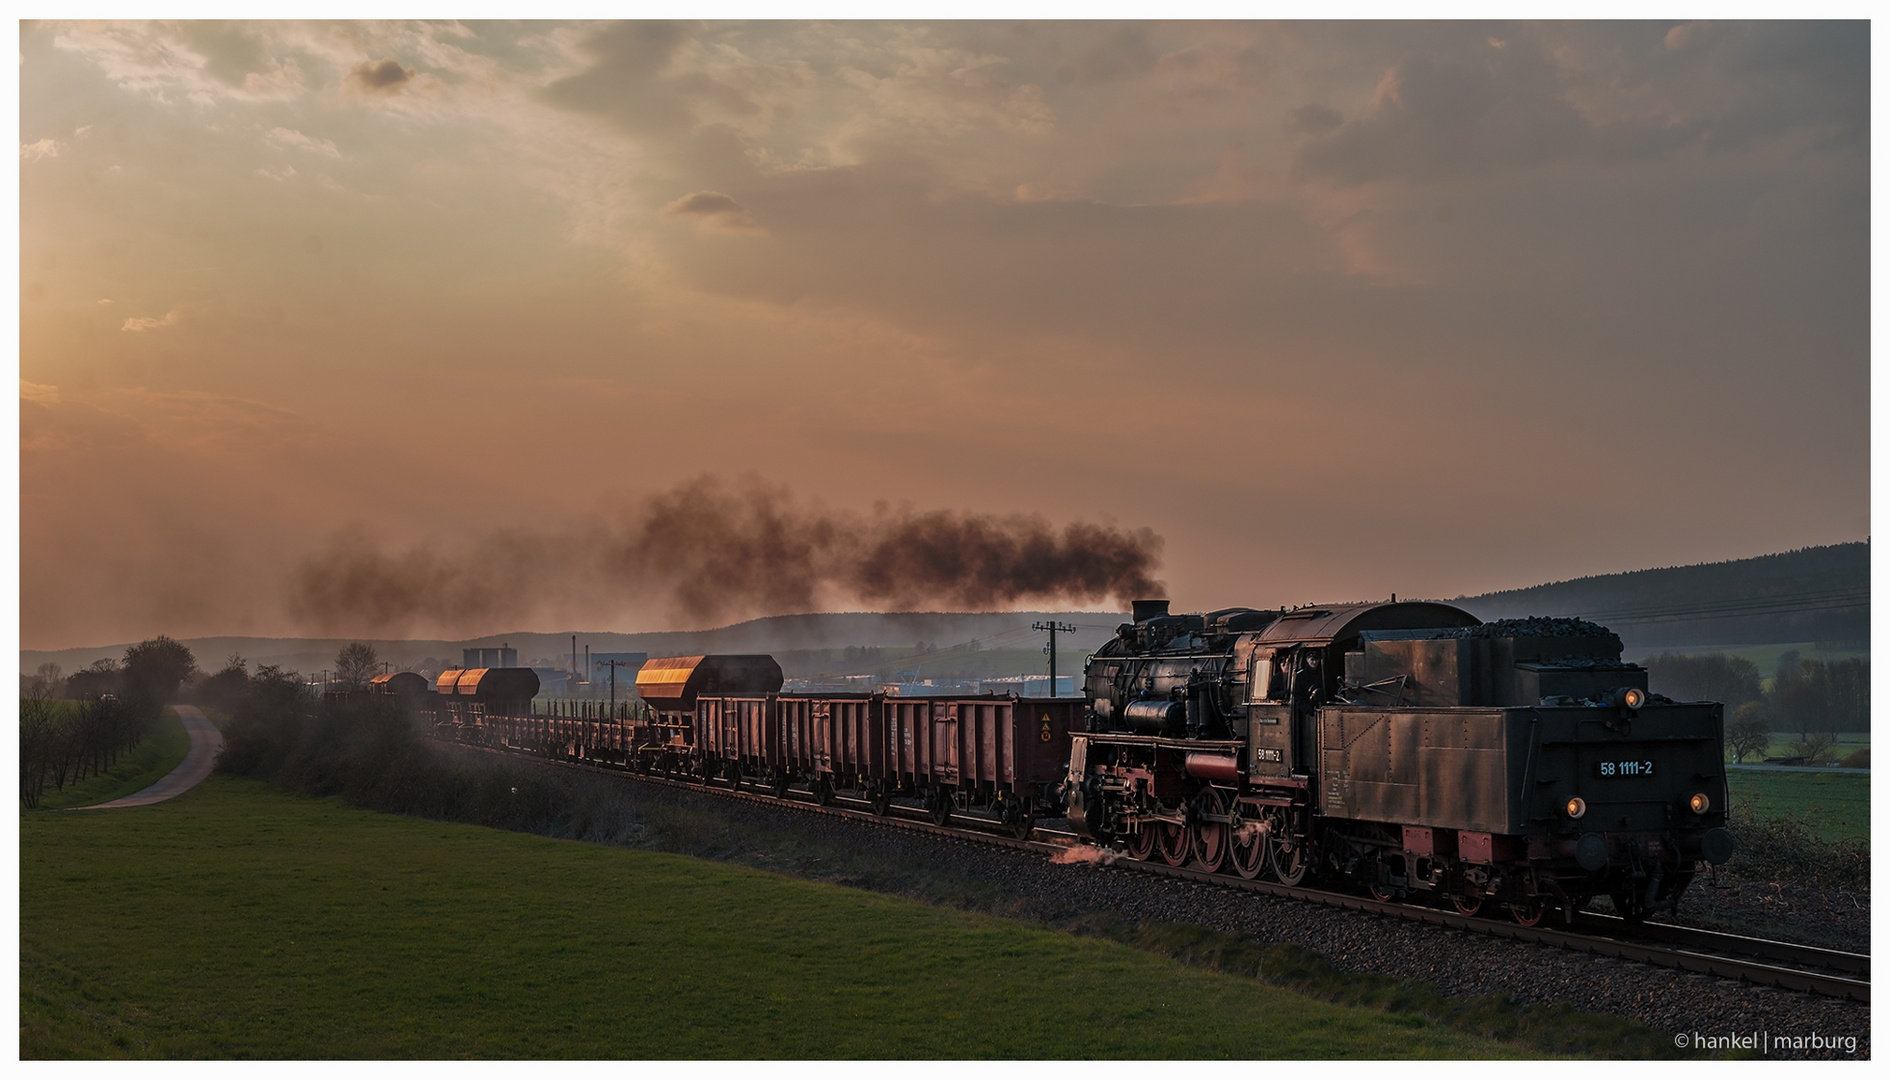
1763, 962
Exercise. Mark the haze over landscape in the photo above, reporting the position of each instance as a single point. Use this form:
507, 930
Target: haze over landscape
444, 329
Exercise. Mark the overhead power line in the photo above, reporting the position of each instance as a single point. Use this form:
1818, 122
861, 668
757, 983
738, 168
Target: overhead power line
1846, 599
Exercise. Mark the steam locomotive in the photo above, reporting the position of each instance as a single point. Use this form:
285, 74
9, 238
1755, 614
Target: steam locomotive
1407, 748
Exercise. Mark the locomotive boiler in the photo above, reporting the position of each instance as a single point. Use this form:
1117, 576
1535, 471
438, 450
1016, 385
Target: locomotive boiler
1406, 747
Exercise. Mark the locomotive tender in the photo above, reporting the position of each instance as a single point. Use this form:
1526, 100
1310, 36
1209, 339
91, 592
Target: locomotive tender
1406, 747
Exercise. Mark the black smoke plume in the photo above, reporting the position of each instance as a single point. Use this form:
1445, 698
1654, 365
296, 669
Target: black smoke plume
708, 553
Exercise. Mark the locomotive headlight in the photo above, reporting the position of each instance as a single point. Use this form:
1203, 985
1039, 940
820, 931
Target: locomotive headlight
1699, 803
1630, 697
1576, 807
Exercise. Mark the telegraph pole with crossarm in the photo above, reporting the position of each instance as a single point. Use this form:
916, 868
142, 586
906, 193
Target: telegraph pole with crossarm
1054, 627
614, 665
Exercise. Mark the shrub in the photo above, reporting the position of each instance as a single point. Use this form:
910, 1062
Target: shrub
1815, 749
1782, 849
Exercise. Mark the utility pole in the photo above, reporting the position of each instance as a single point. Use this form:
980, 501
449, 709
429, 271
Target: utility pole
614, 665
1054, 627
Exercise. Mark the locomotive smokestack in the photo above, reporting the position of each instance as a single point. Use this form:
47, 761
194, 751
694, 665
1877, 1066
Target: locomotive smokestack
1149, 609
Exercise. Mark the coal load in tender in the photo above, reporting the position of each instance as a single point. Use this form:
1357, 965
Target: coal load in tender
1536, 626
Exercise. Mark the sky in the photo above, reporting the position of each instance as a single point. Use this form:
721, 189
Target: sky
430, 328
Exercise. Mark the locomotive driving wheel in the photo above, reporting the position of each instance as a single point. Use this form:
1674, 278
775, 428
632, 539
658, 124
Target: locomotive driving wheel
1247, 849
1288, 855
1467, 906
1529, 911
1171, 841
1209, 838
1142, 843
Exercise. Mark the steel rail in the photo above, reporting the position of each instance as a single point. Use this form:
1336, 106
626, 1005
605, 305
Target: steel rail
1786, 965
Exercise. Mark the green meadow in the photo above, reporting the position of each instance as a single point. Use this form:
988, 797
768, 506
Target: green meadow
238, 921
1832, 806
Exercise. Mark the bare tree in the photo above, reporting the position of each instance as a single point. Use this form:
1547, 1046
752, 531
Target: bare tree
47, 682
39, 731
1749, 733
355, 664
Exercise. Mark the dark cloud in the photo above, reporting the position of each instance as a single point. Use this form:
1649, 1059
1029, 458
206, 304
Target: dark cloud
1435, 118
713, 552
1313, 119
1505, 100
712, 207
1747, 81
380, 77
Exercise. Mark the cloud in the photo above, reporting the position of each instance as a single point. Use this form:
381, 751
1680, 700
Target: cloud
379, 77
141, 323
200, 61
44, 148
1437, 117
1454, 108
1313, 119
39, 392
289, 138
714, 210
961, 247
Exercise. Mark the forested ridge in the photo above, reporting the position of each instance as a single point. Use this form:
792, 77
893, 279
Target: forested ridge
1818, 594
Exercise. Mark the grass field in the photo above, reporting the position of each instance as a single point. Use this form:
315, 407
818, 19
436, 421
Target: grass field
236, 921
147, 763
1833, 805
1782, 742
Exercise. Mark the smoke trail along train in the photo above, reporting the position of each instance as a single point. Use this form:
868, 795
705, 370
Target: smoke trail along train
709, 553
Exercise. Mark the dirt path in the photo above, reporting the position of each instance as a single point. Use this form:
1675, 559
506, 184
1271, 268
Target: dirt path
205, 741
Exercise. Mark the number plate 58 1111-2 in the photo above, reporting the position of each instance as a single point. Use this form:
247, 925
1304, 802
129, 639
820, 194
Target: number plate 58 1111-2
1612, 769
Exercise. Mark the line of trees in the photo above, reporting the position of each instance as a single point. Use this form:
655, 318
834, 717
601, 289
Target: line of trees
1813, 699
111, 706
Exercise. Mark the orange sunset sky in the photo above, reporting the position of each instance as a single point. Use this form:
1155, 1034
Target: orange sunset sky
1332, 310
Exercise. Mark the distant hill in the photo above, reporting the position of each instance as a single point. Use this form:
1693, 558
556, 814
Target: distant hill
1819, 594
777, 634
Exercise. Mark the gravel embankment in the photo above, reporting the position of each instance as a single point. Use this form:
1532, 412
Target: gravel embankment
1030, 886
1831, 919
